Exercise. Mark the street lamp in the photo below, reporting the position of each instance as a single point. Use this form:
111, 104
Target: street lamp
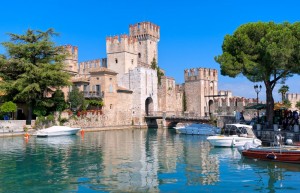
257, 90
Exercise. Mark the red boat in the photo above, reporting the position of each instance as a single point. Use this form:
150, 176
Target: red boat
289, 154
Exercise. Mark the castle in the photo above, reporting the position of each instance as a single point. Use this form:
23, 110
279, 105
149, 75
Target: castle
129, 86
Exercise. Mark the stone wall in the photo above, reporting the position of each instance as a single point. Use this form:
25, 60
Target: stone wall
167, 95
201, 84
12, 125
293, 98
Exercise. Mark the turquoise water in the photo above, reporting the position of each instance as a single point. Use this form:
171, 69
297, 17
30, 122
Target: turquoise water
153, 160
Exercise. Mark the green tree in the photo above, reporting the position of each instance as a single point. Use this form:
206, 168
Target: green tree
32, 67
8, 107
160, 73
266, 52
298, 105
283, 90
287, 103
154, 64
58, 101
76, 98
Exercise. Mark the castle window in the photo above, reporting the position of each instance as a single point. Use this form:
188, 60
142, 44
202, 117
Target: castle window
116, 60
111, 88
110, 106
131, 61
139, 54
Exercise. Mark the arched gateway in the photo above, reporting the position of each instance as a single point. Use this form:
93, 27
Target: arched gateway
149, 107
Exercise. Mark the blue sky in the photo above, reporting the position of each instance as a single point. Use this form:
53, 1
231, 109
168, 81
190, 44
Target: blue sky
192, 31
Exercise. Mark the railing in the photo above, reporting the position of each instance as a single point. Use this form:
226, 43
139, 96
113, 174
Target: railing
93, 94
176, 115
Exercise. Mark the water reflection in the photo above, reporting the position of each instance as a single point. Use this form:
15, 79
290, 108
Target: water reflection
272, 176
131, 160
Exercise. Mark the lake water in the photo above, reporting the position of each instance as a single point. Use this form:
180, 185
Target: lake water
140, 160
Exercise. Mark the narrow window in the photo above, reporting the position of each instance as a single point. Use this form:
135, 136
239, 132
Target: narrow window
139, 54
116, 60
111, 88
131, 61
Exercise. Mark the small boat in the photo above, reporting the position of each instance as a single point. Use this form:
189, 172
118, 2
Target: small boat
289, 154
235, 135
279, 153
198, 129
57, 131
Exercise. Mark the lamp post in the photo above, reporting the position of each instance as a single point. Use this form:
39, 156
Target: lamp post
257, 90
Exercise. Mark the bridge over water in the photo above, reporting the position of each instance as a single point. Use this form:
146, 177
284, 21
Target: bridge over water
171, 118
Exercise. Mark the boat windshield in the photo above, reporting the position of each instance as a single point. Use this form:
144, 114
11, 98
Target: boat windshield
232, 129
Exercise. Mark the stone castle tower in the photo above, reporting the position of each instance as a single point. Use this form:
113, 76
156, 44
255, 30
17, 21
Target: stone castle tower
139, 48
147, 34
201, 85
131, 56
71, 60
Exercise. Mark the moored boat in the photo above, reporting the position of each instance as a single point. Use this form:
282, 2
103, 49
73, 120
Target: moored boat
57, 131
235, 135
198, 129
289, 154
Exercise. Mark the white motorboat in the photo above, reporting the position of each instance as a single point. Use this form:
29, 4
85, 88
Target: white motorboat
198, 129
235, 135
57, 131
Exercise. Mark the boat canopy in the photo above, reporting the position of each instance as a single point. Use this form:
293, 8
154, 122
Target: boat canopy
236, 129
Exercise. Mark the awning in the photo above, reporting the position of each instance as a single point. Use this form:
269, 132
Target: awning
257, 106
278, 106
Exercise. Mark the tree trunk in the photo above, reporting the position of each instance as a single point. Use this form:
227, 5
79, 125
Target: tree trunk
270, 104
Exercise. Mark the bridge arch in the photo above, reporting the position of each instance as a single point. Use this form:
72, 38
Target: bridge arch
149, 106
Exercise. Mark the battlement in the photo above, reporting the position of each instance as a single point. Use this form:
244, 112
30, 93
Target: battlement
293, 96
71, 60
200, 74
86, 66
71, 51
143, 30
122, 43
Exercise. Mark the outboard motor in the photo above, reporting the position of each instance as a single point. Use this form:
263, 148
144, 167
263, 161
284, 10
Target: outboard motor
289, 142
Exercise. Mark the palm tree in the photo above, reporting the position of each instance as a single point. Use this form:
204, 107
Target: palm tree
283, 90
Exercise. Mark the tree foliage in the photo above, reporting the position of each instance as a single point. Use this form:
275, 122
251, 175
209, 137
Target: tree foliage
287, 103
298, 105
76, 98
32, 68
266, 52
8, 107
160, 73
283, 90
58, 100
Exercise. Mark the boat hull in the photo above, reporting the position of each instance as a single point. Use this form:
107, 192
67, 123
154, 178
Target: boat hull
198, 129
57, 131
230, 141
274, 154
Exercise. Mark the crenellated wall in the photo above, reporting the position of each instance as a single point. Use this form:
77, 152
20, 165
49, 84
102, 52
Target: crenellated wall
143, 29
122, 43
201, 84
84, 67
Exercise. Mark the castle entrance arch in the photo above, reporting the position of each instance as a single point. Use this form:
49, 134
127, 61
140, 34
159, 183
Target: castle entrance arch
149, 107
210, 107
